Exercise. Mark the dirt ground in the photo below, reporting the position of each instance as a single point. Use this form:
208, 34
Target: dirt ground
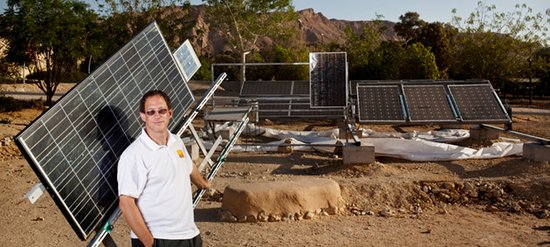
391, 202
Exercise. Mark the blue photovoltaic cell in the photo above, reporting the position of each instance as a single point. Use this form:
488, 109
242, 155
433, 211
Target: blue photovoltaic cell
75, 145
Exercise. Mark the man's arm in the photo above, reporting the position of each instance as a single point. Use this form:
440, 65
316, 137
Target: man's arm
135, 220
198, 179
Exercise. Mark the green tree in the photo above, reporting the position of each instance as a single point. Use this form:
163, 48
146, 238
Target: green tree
419, 63
245, 23
127, 18
498, 46
280, 54
50, 36
409, 26
359, 47
439, 37
385, 61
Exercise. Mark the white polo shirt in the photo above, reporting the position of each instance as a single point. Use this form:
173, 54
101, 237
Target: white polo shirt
159, 178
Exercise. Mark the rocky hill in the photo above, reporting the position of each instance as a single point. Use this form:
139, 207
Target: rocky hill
314, 27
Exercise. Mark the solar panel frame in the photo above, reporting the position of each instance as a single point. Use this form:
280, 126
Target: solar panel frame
328, 79
428, 103
390, 94
74, 146
478, 103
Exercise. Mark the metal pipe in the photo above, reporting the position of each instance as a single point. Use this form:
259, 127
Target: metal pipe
519, 134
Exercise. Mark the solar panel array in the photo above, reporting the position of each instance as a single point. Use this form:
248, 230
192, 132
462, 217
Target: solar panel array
328, 79
74, 146
429, 102
284, 99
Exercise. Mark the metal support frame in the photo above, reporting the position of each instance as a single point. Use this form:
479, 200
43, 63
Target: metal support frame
223, 154
540, 140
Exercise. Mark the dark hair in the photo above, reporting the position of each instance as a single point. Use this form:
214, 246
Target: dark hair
151, 94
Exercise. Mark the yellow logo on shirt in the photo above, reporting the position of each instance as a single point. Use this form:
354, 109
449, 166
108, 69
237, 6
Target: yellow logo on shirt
180, 153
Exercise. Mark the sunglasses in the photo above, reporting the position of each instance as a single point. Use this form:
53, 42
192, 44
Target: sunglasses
161, 112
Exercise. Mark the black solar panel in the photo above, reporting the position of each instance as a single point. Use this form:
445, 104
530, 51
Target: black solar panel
379, 104
266, 88
300, 88
74, 146
428, 103
478, 103
328, 79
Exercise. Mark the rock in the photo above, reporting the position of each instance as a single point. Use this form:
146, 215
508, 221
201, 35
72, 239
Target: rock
387, 213
426, 188
542, 214
227, 216
332, 210
309, 215
298, 216
262, 217
252, 218
274, 218
491, 208
242, 218
448, 185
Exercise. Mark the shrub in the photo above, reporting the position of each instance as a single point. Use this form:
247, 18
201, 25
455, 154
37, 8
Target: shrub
8, 104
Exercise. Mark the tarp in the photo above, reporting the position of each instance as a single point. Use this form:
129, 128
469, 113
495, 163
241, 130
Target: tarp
415, 146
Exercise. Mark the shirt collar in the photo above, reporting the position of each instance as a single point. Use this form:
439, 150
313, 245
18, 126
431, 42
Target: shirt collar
149, 143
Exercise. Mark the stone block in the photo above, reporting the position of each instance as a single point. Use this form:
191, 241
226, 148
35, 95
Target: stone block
354, 155
226, 133
483, 134
281, 200
536, 152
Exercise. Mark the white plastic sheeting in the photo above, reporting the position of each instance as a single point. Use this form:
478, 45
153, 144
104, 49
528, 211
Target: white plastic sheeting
419, 146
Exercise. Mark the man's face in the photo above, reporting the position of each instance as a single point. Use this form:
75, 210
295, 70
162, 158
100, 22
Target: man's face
156, 115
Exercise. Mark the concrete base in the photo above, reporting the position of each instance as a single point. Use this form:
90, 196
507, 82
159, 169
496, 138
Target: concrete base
354, 155
483, 134
342, 130
304, 198
193, 150
536, 152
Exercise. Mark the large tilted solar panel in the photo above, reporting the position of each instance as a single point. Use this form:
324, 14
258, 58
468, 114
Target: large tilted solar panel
74, 146
428, 103
478, 103
328, 79
380, 103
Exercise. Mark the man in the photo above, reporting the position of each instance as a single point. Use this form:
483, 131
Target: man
154, 181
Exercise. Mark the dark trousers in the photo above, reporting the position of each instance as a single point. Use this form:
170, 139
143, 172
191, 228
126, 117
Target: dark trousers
194, 242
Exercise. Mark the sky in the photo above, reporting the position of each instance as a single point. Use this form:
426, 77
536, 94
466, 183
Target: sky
429, 10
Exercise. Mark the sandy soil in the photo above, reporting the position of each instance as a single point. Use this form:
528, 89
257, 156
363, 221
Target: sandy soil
392, 202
